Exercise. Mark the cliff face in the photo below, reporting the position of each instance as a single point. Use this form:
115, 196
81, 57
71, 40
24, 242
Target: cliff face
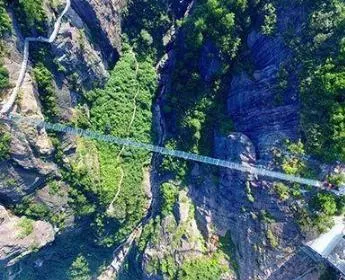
103, 20
263, 104
88, 44
258, 107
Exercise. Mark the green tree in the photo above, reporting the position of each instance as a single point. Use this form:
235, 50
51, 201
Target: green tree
26, 227
4, 77
44, 80
31, 15
202, 268
5, 140
79, 269
270, 19
326, 203
169, 195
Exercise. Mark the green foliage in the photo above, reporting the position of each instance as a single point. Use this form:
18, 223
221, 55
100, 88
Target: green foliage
5, 140
169, 193
44, 80
329, 274
323, 81
5, 21
204, 268
282, 191
31, 15
26, 227
145, 23
272, 239
266, 217
4, 78
216, 21
337, 179
325, 203
79, 269
292, 163
39, 211
323, 207
270, 19
96, 173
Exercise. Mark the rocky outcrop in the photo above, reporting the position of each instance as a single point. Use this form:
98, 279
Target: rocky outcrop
176, 240
103, 20
19, 238
75, 55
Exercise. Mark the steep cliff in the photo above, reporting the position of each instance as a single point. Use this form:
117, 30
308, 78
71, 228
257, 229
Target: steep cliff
80, 61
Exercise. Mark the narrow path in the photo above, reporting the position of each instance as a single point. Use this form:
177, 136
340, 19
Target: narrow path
7, 105
111, 206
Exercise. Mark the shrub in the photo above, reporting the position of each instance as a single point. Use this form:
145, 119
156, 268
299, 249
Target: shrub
169, 194
272, 239
4, 78
325, 203
44, 80
79, 269
337, 179
26, 227
31, 15
5, 140
270, 19
202, 268
282, 191
249, 193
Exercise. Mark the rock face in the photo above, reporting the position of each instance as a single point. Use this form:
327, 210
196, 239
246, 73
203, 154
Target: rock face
103, 19
248, 211
264, 104
26, 170
16, 242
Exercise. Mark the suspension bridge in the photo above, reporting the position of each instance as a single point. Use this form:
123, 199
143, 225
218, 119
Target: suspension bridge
258, 171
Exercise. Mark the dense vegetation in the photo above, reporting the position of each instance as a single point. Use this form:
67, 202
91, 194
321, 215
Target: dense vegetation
31, 15
323, 80
318, 211
44, 80
26, 227
99, 173
145, 23
169, 193
202, 268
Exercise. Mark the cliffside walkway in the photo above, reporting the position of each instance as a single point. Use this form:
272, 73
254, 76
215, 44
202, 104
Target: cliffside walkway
8, 104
